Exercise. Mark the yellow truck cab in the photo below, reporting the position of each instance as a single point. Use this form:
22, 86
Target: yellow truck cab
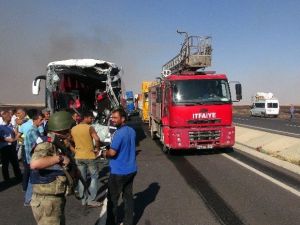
145, 100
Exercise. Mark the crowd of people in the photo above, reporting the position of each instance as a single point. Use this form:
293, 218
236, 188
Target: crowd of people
61, 154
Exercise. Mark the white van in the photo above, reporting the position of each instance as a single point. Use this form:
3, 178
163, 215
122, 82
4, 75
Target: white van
265, 108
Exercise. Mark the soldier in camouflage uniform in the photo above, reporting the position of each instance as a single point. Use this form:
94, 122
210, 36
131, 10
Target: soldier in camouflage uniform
49, 180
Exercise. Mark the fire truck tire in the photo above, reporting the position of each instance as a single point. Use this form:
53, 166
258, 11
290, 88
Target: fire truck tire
166, 150
152, 133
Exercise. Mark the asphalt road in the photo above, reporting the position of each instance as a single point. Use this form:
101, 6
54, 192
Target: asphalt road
203, 187
274, 125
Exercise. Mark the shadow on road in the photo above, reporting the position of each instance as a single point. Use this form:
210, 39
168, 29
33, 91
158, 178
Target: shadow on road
143, 199
200, 152
190, 152
7, 184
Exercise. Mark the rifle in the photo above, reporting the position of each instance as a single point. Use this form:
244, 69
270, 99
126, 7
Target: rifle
71, 171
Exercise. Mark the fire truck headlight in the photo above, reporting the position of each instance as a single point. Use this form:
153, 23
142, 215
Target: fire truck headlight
179, 139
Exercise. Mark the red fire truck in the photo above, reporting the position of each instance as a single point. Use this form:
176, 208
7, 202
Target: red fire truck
191, 108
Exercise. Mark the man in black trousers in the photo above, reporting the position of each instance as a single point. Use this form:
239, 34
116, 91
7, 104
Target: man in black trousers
123, 168
8, 148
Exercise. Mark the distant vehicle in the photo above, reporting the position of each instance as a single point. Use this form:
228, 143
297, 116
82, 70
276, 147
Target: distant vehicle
265, 105
145, 100
130, 107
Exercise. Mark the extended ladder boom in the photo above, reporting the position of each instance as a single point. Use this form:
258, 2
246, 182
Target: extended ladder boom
195, 54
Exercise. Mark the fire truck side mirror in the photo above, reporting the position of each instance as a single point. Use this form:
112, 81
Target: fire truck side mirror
238, 91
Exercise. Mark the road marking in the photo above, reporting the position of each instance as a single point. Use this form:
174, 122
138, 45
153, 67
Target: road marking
103, 213
291, 125
237, 118
280, 184
266, 129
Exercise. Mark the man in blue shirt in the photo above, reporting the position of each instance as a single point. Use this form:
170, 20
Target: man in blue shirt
123, 168
8, 148
33, 137
22, 132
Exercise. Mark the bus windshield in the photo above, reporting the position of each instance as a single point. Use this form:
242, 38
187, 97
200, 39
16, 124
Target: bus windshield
200, 92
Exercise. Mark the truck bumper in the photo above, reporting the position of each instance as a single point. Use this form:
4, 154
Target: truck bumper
201, 138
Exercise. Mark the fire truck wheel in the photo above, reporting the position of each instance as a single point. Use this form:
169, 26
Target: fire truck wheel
166, 150
152, 134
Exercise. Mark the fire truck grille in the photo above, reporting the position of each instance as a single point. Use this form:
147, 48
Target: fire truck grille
204, 121
204, 135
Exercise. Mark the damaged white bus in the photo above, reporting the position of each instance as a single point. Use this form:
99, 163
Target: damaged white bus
82, 84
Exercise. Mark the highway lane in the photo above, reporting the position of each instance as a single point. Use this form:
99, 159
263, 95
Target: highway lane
251, 198
256, 193
189, 188
274, 125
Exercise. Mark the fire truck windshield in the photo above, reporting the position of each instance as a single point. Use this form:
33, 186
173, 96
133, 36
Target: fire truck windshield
200, 92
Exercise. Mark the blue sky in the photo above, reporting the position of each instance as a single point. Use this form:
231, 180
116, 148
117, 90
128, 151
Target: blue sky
255, 42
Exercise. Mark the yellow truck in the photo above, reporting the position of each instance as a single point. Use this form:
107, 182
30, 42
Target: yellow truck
145, 100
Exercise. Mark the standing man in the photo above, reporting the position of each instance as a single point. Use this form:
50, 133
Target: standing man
1, 118
292, 113
75, 117
123, 168
33, 138
8, 148
46, 113
85, 155
21, 116
49, 182
13, 117
22, 132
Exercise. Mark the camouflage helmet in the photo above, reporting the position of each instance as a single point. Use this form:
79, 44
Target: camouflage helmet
59, 121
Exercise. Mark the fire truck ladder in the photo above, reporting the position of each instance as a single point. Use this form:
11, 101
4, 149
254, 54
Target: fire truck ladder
195, 54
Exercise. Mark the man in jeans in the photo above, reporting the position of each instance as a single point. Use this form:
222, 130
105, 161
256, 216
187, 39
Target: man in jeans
33, 137
123, 168
85, 155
